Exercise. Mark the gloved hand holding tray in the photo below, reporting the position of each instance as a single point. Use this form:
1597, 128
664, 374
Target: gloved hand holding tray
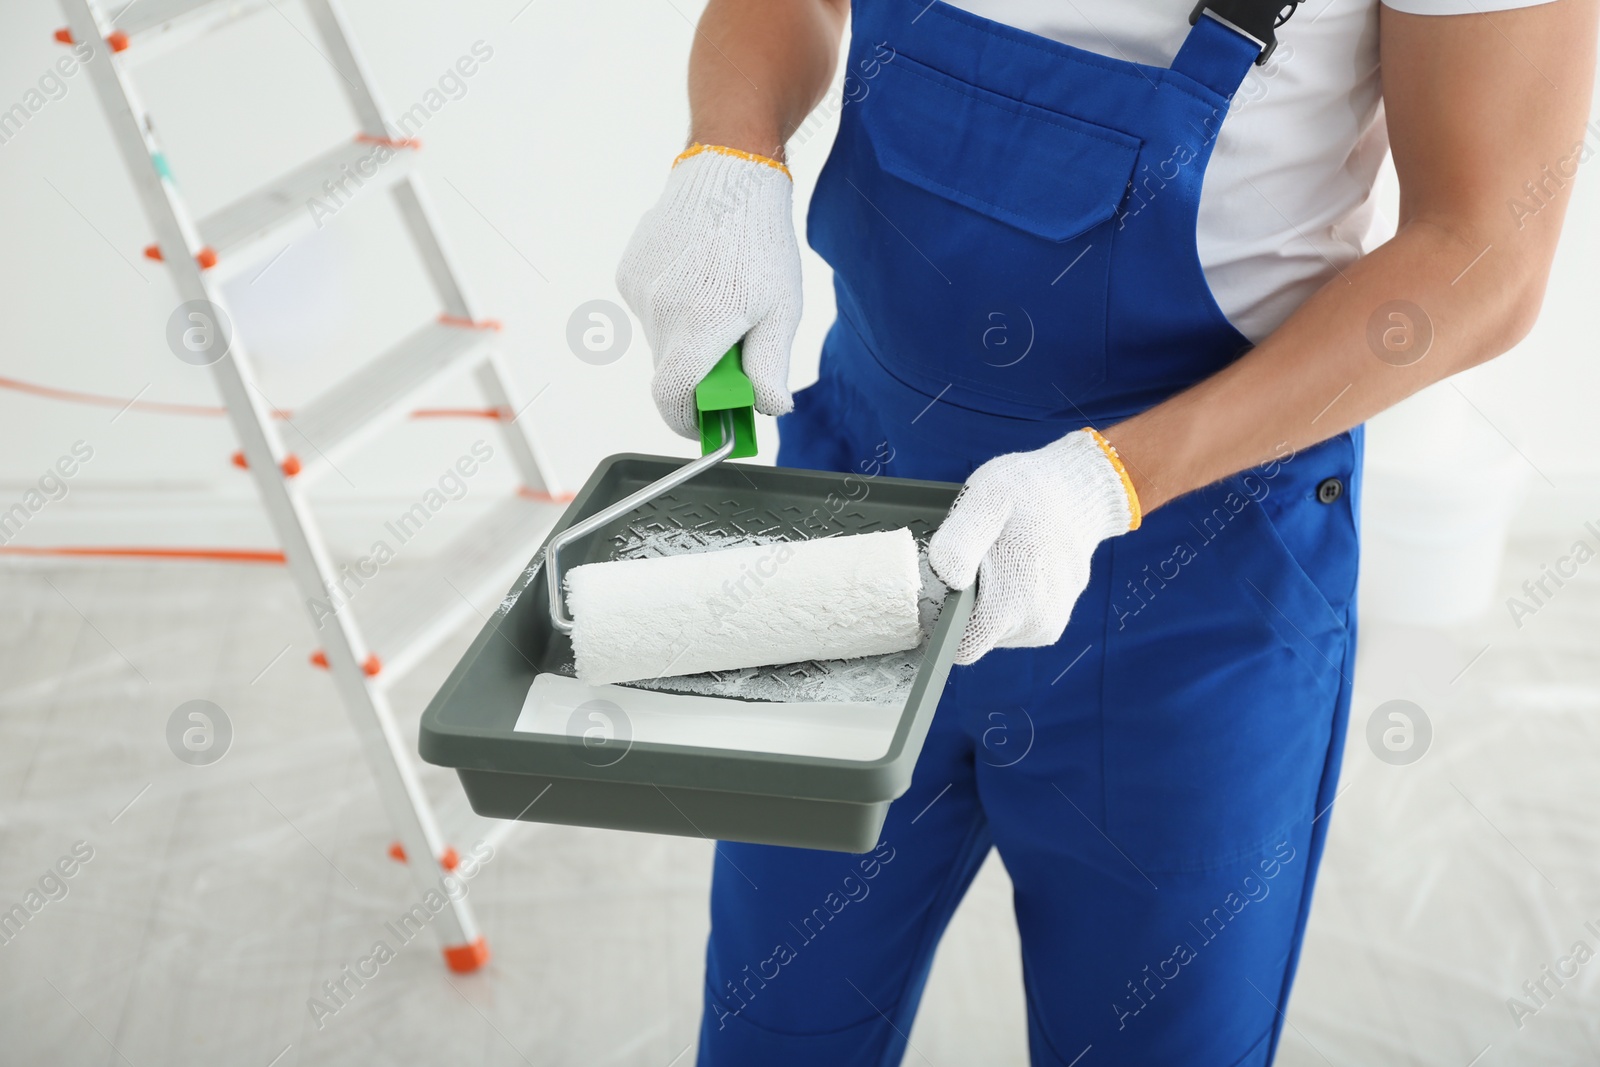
806, 754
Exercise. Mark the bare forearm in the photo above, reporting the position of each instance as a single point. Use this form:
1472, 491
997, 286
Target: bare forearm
1461, 281
1412, 313
758, 67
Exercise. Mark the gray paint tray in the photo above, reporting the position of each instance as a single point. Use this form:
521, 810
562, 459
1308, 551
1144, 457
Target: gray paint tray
806, 754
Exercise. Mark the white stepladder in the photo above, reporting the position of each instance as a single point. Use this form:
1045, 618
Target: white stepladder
419, 610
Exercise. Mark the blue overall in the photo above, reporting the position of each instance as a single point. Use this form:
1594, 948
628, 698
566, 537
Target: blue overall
1011, 222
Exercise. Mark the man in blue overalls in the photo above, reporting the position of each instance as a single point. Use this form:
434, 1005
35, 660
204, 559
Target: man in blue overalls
1154, 398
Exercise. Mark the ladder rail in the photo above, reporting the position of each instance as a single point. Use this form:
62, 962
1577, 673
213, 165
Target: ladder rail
418, 215
408, 194
499, 389
352, 69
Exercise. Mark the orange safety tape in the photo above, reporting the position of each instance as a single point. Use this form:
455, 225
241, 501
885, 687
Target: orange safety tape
232, 555
391, 142
455, 413
108, 401
170, 408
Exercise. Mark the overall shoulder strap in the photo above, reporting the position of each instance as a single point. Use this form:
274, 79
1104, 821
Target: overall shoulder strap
1228, 36
1256, 19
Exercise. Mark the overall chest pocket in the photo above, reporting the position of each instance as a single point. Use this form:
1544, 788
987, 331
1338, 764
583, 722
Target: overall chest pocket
974, 235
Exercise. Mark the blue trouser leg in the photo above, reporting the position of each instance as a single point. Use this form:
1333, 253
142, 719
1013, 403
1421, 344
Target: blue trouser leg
1127, 950
820, 957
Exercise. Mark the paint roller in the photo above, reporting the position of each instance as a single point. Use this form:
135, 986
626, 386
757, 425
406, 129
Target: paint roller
726, 609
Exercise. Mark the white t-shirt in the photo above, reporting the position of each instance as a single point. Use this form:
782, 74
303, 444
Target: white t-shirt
1289, 191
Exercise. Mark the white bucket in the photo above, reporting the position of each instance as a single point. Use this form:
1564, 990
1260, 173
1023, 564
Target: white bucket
1439, 493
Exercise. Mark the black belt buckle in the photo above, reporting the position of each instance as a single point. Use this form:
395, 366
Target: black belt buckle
1256, 19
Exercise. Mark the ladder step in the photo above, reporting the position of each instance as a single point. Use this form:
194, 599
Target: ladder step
302, 200
152, 26
380, 392
407, 614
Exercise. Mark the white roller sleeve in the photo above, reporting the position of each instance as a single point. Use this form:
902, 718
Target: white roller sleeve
751, 606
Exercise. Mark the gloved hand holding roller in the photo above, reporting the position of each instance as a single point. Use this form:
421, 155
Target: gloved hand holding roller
750, 606
713, 263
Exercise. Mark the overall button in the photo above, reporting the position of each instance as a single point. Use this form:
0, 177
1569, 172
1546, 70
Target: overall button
1329, 490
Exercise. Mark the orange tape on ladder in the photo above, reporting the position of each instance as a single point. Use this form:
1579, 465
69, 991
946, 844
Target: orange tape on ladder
370, 668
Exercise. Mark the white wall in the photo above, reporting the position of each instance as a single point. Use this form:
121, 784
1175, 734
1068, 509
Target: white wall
560, 141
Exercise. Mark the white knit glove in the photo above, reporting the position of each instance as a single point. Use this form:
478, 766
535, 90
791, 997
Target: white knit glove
1025, 525
715, 261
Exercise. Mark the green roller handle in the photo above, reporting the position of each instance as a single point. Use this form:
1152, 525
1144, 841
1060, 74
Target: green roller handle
726, 388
